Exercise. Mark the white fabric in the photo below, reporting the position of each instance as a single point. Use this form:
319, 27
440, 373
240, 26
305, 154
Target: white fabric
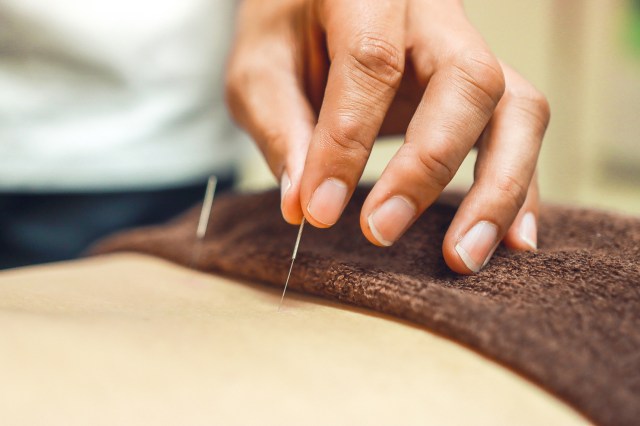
113, 94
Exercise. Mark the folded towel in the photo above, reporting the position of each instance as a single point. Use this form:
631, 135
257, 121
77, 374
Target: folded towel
566, 316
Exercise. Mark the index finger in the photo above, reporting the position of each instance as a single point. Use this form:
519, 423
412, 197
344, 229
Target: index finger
366, 46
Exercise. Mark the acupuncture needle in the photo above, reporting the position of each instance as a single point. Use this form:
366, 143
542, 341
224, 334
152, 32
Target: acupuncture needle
293, 259
205, 213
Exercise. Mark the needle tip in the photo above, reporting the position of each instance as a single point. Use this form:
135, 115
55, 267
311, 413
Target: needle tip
293, 259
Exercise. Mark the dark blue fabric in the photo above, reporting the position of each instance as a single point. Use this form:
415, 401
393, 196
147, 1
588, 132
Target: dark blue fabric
40, 228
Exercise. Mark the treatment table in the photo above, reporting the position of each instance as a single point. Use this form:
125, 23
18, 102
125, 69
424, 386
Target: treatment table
132, 339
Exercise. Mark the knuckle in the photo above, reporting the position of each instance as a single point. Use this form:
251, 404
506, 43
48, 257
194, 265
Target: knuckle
480, 78
378, 59
511, 191
272, 140
273, 145
545, 109
231, 100
532, 103
436, 167
347, 137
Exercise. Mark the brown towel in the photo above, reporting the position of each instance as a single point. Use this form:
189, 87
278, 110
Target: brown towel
567, 316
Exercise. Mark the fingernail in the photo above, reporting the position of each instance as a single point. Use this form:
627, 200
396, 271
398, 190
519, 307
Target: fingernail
328, 201
529, 230
391, 219
285, 184
478, 244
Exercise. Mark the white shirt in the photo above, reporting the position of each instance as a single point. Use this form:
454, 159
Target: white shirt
113, 94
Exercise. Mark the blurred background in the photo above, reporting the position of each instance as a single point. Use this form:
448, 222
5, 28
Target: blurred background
585, 56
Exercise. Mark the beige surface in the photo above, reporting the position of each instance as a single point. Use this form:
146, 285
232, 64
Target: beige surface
129, 339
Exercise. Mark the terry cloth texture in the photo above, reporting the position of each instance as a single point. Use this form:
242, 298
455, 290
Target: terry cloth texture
567, 316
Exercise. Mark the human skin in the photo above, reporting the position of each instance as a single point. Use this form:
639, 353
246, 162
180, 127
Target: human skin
316, 81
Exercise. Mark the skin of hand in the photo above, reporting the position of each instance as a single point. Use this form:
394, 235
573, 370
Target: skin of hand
316, 81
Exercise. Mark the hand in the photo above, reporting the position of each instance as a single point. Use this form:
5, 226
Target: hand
315, 81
